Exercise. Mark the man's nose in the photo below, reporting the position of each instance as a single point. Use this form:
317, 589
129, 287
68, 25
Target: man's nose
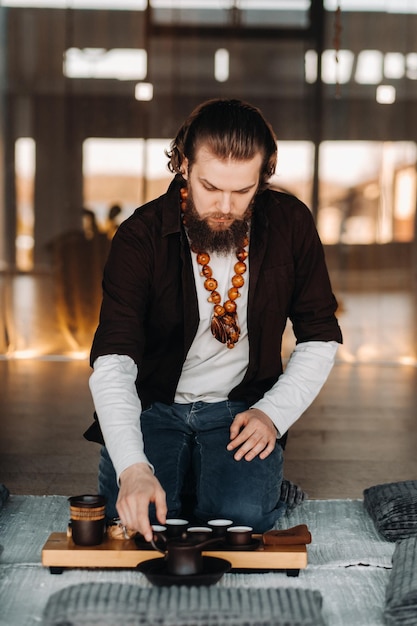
225, 202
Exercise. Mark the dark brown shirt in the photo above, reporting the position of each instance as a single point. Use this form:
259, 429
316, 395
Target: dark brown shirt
150, 312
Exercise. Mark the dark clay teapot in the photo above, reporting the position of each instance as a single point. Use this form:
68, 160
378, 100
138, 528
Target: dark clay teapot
183, 557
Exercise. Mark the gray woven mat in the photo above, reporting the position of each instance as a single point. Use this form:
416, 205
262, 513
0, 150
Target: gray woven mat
401, 593
109, 603
393, 508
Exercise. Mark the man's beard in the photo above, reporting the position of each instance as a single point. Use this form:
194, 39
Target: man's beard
205, 239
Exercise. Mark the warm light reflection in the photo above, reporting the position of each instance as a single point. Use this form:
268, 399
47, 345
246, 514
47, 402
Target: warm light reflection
368, 355
118, 63
405, 193
385, 94
369, 67
394, 65
372, 66
378, 326
24, 354
38, 355
25, 165
144, 92
120, 5
411, 65
383, 6
221, 65
365, 189
346, 357
407, 360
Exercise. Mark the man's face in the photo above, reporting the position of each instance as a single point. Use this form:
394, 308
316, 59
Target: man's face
222, 190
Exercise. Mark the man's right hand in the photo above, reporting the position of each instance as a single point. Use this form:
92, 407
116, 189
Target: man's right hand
138, 488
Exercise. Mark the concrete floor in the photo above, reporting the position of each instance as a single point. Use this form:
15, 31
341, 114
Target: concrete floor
45, 406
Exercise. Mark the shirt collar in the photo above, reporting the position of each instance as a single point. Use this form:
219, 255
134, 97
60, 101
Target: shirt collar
171, 211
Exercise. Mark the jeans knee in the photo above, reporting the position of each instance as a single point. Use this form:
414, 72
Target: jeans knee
245, 514
255, 517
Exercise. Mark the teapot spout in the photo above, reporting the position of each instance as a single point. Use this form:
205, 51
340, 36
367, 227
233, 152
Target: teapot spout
206, 542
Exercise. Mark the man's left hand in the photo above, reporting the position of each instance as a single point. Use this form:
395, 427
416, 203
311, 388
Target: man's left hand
253, 433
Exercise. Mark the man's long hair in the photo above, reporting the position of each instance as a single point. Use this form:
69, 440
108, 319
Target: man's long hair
230, 129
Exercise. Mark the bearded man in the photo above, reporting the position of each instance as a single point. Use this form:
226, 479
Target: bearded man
188, 376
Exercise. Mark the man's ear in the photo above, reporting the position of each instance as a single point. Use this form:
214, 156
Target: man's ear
184, 168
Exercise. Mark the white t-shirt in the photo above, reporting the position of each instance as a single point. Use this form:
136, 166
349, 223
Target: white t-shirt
211, 369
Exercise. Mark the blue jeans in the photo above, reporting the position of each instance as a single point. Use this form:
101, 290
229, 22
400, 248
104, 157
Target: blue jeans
180, 439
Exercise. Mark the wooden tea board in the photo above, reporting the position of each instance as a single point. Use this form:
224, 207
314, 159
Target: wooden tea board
60, 552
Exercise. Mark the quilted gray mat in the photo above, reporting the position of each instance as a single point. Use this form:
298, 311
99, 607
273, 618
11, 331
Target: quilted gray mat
401, 597
393, 508
106, 604
348, 562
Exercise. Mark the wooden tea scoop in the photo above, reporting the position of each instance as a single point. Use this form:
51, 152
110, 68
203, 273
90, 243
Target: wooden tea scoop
291, 536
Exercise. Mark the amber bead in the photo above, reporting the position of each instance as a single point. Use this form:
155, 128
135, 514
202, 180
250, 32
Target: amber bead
233, 293
240, 267
219, 310
214, 297
207, 271
210, 284
230, 306
203, 258
238, 280
242, 254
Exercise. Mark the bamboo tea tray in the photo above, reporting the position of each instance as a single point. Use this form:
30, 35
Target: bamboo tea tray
60, 552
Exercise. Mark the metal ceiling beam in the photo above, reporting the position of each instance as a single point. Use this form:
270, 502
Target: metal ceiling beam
179, 31
234, 30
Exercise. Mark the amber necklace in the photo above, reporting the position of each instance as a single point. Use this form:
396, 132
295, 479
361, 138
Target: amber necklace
224, 323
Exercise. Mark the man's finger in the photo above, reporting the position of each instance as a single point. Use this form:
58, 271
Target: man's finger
160, 506
254, 444
237, 424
